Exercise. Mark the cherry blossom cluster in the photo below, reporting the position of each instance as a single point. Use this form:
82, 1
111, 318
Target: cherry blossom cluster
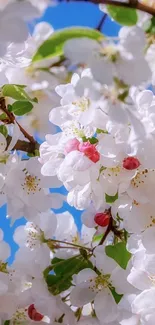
77, 116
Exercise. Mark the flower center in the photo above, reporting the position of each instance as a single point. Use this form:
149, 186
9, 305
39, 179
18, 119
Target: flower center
139, 179
83, 104
31, 184
19, 316
110, 52
34, 235
100, 282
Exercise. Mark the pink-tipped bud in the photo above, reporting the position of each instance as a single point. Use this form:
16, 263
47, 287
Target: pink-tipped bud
90, 151
102, 219
33, 314
72, 145
131, 163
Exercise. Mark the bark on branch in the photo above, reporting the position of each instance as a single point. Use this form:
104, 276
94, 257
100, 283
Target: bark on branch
24, 145
130, 4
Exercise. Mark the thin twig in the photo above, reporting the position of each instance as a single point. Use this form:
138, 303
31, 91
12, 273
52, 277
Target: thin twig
101, 23
109, 228
130, 4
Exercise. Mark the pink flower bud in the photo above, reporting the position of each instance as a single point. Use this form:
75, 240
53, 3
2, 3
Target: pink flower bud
90, 151
33, 314
131, 163
102, 219
72, 145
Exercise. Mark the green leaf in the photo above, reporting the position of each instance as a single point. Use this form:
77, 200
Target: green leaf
123, 16
101, 131
111, 199
92, 140
16, 92
20, 108
97, 238
4, 130
119, 253
61, 280
7, 322
3, 117
53, 46
116, 296
149, 26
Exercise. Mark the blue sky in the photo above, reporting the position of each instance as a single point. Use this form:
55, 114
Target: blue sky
60, 16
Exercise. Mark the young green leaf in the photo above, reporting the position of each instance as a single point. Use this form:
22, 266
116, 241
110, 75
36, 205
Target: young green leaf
61, 280
119, 253
149, 26
4, 130
53, 46
20, 108
3, 117
123, 16
16, 92
97, 238
92, 140
111, 199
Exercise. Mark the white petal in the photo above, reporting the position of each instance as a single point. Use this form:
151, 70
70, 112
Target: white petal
16, 32
78, 50
4, 251
148, 239
82, 294
105, 307
42, 31
144, 99
48, 223
15, 136
87, 218
144, 301
85, 275
139, 279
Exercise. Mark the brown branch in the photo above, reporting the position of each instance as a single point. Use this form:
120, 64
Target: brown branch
24, 145
26, 134
131, 4
11, 119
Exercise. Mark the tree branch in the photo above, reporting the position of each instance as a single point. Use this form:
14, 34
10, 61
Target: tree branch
131, 4
12, 119
24, 145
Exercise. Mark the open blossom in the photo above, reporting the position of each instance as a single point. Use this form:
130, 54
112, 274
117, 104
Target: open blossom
31, 195
108, 60
91, 100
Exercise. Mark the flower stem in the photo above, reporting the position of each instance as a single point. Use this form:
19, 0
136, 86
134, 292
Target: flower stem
73, 246
109, 228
